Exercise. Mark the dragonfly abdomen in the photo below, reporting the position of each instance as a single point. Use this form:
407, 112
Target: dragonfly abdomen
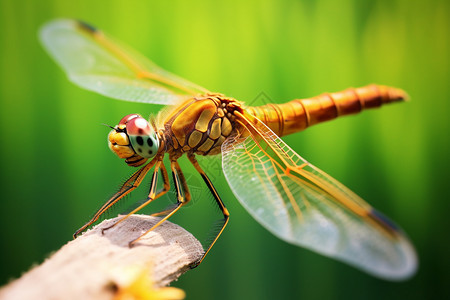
299, 114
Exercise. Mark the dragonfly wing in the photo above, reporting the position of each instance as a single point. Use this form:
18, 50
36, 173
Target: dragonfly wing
304, 206
96, 62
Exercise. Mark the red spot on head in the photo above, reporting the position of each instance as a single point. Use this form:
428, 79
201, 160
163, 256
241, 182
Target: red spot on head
138, 126
127, 118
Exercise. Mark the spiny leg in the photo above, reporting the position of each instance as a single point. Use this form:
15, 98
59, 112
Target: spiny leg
152, 194
226, 214
183, 196
133, 182
185, 188
166, 187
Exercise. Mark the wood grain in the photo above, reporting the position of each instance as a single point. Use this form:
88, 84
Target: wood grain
97, 266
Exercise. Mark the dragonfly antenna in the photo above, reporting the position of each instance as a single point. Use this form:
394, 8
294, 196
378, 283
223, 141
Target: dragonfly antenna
108, 125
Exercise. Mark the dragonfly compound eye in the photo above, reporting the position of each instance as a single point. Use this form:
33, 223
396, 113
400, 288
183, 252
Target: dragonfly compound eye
142, 137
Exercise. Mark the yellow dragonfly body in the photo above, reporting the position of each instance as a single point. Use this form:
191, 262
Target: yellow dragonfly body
290, 197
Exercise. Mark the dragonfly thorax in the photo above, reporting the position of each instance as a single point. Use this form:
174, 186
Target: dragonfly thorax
200, 125
134, 139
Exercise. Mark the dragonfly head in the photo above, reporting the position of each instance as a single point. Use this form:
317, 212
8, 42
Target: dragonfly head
134, 139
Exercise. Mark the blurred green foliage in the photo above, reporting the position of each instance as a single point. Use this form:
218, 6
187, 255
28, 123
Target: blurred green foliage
56, 168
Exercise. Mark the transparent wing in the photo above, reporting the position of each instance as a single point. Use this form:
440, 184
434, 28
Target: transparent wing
304, 206
98, 63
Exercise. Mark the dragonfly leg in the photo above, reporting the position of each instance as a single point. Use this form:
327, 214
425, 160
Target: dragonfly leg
132, 183
165, 188
152, 194
226, 214
183, 196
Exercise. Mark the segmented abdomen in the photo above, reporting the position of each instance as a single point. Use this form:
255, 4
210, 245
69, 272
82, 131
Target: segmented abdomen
299, 114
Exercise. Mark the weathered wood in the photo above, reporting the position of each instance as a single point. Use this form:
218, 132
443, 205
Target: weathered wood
97, 266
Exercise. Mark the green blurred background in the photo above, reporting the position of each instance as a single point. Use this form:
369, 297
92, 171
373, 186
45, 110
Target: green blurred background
56, 168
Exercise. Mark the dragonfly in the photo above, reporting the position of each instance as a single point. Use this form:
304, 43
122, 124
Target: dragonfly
286, 194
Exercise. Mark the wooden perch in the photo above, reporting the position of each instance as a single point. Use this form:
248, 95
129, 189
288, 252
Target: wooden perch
99, 266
